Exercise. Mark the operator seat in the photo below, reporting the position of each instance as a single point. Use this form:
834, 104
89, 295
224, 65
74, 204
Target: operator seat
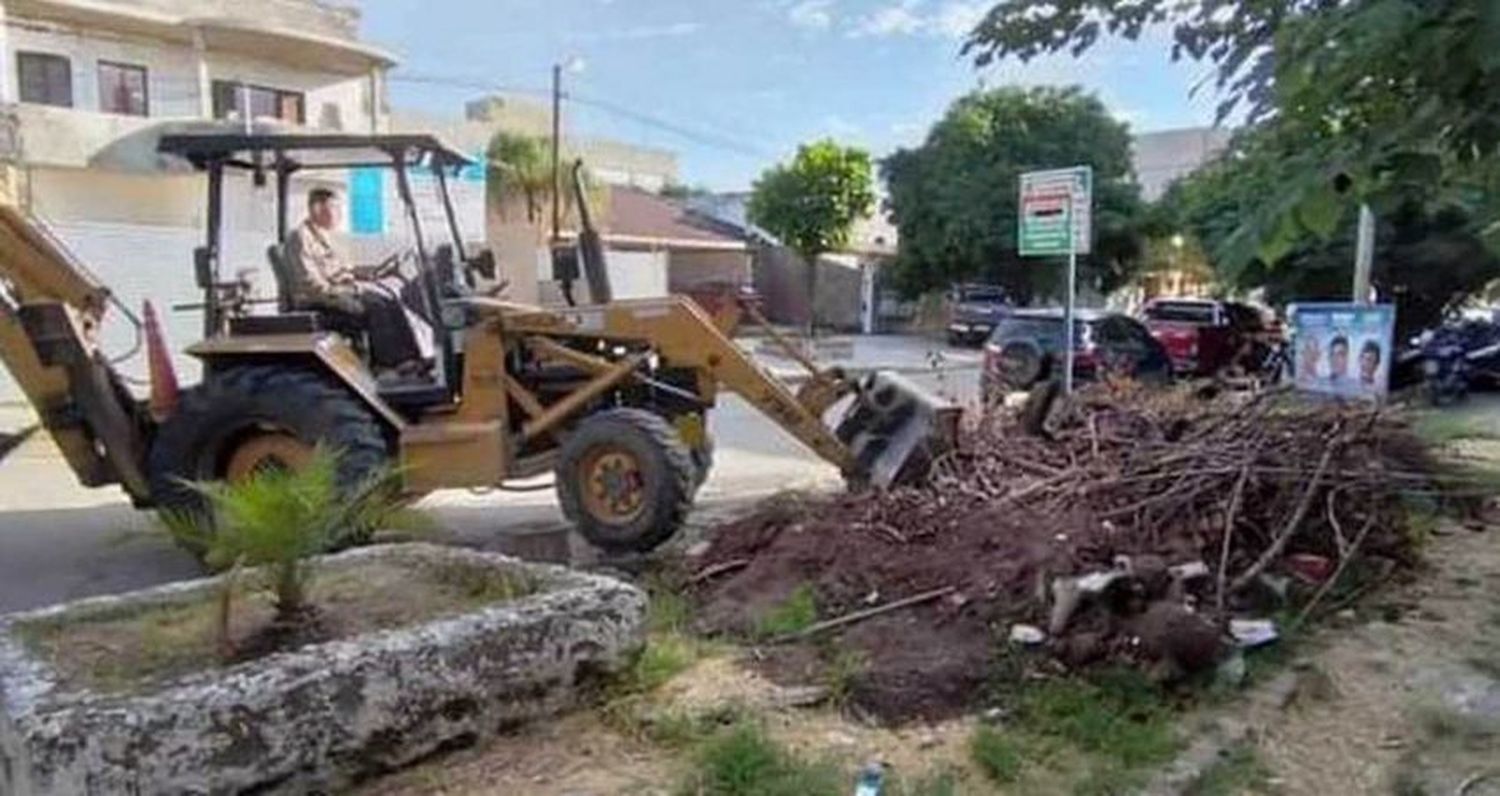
292, 317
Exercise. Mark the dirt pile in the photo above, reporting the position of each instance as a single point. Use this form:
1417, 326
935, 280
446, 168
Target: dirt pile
1185, 512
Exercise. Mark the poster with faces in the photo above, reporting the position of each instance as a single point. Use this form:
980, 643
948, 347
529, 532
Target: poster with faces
1343, 350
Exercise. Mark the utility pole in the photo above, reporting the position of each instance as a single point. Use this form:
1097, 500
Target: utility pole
1364, 255
556, 152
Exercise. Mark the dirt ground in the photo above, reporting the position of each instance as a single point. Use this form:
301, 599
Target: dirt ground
585, 754
1406, 698
1401, 698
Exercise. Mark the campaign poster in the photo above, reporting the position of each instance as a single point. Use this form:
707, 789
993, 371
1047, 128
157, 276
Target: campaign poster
1343, 350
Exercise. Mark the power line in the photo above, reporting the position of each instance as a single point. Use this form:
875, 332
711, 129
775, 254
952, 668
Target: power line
705, 138
666, 125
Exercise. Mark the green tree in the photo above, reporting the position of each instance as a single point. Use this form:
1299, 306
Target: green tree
1428, 257
520, 168
1393, 101
812, 204
955, 198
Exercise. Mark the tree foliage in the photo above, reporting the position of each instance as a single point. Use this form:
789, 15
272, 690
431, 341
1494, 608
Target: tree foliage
812, 203
1393, 101
520, 168
955, 198
279, 519
1428, 258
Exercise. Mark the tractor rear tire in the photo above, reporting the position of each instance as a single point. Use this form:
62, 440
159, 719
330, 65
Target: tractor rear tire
626, 480
215, 425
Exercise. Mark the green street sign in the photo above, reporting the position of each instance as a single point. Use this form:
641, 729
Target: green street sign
1053, 204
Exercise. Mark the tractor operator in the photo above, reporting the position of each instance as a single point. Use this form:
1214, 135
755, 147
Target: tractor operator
401, 338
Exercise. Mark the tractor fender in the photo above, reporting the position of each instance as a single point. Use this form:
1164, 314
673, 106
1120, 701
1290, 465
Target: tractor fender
325, 351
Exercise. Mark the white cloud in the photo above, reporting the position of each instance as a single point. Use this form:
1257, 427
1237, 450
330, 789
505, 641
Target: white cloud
957, 19
639, 32
811, 14
952, 20
899, 19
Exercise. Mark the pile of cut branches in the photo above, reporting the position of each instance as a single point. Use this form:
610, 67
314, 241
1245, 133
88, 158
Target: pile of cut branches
1206, 509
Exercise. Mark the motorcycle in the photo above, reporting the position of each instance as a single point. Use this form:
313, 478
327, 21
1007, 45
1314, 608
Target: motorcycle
1445, 370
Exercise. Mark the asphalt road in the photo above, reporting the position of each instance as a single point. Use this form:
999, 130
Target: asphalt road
59, 541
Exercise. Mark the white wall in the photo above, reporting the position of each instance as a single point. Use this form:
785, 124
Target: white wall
172, 73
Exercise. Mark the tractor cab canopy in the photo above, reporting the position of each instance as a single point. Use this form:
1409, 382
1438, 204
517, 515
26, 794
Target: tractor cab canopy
278, 156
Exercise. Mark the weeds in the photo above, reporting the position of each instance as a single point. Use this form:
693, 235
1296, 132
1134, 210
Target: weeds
743, 760
1443, 428
841, 675
997, 755
936, 783
1240, 771
796, 613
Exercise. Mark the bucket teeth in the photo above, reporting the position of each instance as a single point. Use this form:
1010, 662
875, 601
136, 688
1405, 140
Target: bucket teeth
895, 429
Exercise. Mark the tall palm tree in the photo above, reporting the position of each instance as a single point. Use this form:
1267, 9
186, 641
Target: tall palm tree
520, 167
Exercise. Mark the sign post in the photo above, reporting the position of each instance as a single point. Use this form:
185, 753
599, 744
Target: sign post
1057, 219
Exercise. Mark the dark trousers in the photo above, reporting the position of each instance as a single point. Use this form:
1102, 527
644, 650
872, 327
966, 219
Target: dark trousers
398, 333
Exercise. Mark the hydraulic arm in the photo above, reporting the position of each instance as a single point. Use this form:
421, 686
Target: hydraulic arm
51, 311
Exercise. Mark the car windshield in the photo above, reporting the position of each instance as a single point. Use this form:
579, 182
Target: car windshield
982, 295
1181, 311
1046, 331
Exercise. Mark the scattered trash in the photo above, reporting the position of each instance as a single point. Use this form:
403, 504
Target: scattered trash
1309, 568
1027, 635
1232, 671
871, 780
1252, 633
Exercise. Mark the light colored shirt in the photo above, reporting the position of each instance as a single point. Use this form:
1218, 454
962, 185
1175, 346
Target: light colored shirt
320, 266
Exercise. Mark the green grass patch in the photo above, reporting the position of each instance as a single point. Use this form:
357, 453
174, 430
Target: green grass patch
665, 657
1117, 714
1239, 771
743, 760
1099, 734
841, 674
670, 610
933, 783
998, 754
1446, 427
794, 614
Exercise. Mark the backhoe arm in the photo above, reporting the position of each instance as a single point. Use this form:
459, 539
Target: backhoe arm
50, 315
683, 335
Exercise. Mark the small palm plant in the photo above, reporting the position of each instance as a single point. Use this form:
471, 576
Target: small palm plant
277, 520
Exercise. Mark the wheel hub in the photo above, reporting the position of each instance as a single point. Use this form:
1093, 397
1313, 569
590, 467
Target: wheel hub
267, 450
614, 487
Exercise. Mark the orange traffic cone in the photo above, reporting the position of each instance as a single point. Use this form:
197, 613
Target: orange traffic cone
164, 391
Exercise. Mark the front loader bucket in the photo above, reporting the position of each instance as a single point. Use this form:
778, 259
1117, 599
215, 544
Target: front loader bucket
896, 430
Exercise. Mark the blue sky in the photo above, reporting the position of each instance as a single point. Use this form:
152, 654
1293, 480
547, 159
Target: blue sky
747, 80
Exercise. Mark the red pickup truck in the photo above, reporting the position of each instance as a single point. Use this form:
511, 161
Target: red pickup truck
1204, 336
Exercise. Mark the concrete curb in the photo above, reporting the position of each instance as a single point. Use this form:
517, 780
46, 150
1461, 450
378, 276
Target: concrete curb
317, 718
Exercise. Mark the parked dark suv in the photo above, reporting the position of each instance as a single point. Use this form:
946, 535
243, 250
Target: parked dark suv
1027, 348
976, 311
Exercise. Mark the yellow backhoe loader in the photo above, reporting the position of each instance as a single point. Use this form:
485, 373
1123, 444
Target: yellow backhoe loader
610, 396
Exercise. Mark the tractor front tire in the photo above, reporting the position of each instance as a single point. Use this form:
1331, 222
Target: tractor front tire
249, 417
626, 480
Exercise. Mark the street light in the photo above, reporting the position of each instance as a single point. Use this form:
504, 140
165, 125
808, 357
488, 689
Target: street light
573, 65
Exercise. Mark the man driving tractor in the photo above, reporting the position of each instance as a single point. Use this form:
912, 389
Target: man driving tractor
383, 298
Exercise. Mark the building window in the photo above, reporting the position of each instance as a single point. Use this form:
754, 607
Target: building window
230, 99
45, 79
122, 89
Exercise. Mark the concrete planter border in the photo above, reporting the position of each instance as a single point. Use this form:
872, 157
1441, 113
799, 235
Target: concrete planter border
322, 716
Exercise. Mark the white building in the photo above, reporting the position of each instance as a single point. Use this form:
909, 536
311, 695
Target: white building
1168, 155
88, 86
